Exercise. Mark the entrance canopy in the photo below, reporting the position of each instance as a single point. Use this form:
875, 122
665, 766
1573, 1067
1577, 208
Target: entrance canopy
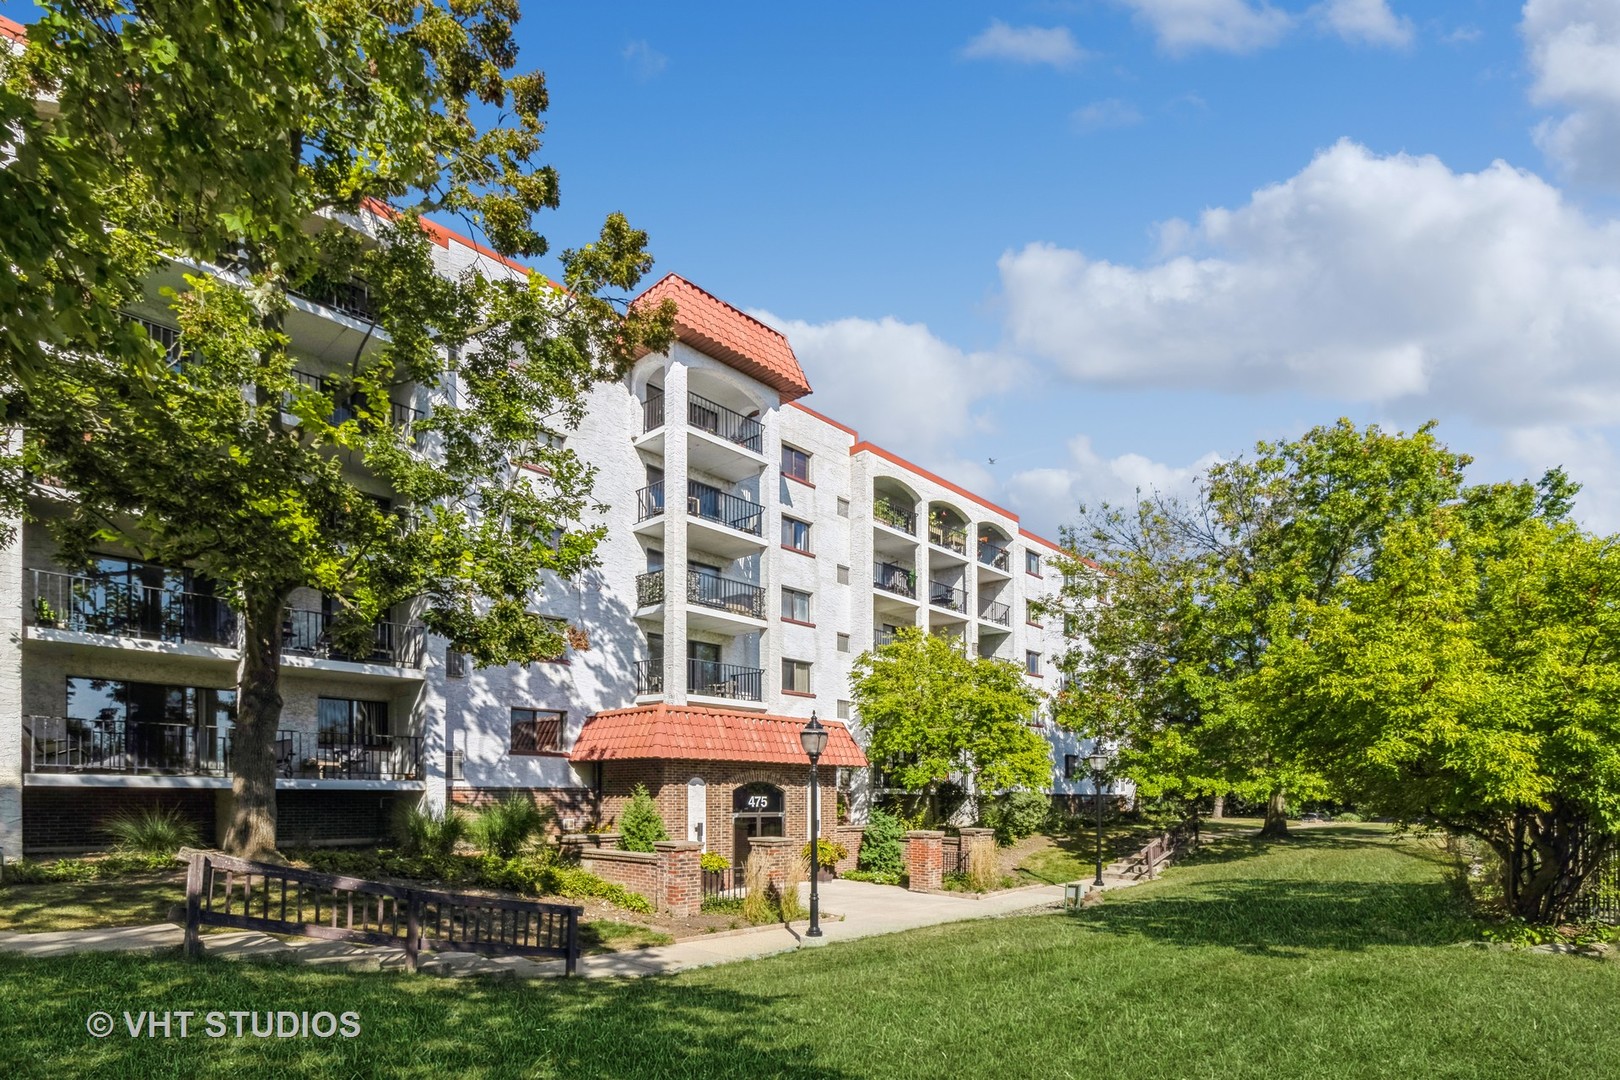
695, 733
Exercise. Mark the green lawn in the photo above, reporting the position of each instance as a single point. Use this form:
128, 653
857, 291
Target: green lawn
1331, 955
79, 905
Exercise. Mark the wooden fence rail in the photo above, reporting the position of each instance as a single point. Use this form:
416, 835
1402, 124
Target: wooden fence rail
226, 891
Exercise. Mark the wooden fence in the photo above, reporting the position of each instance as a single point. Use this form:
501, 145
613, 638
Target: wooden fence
226, 891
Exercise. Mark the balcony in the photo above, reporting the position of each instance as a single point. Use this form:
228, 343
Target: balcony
945, 596
892, 515
707, 678
1000, 614
74, 746
706, 590
995, 558
87, 604
309, 633
652, 410
352, 298
650, 502
711, 504
650, 676
895, 579
952, 539
705, 415
881, 637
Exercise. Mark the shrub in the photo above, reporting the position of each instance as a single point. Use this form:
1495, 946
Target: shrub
432, 833
756, 901
722, 905
713, 862
505, 828
640, 827
153, 831
1348, 815
1015, 815
829, 853
873, 876
982, 872
881, 851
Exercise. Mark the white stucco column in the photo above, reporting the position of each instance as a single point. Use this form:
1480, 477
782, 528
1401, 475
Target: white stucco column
11, 697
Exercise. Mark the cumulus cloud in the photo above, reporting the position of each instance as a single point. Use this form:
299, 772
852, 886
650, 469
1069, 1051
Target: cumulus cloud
1105, 114
1025, 45
1366, 22
1237, 26
1048, 497
1573, 49
896, 380
644, 61
1362, 278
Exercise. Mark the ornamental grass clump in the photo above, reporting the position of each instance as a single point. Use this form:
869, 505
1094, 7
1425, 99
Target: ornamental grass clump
505, 828
788, 904
756, 902
153, 831
982, 872
433, 834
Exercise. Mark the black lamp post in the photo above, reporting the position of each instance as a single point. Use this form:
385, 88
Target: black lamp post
1098, 762
813, 737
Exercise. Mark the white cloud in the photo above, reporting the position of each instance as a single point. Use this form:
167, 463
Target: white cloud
1368, 22
645, 62
1046, 498
1586, 455
1574, 55
1237, 26
1108, 113
913, 392
1025, 45
1362, 278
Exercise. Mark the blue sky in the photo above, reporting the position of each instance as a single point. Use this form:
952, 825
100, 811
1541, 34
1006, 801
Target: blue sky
1105, 241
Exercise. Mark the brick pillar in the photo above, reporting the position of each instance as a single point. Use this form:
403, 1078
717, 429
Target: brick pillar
775, 851
680, 876
925, 860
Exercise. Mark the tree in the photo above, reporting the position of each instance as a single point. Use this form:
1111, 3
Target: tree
641, 826
1176, 605
932, 714
265, 143
1471, 680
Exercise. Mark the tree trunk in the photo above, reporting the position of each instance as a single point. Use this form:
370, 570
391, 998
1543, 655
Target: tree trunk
1276, 826
1546, 858
252, 832
1220, 808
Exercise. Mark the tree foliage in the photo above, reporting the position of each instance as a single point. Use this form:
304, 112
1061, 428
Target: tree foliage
641, 826
260, 147
932, 713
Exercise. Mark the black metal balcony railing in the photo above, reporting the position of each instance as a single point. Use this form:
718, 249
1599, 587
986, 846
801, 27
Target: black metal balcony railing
650, 676
946, 596
352, 298
652, 410
892, 515
712, 504
650, 589
166, 338
711, 679
1000, 614
954, 539
895, 579
89, 604
133, 747
725, 594
343, 405
716, 419
650, 501
994, 556
882, 637
309, 633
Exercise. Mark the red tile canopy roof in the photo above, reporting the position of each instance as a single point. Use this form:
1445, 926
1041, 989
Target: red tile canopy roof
712, 326
694, 733
12, 30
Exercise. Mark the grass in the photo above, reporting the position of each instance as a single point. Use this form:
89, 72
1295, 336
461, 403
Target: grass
1333, 954
606, 935
1074, 857
80, 906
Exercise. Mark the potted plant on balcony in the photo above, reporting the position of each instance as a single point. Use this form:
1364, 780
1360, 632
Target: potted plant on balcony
309, 767
44, 613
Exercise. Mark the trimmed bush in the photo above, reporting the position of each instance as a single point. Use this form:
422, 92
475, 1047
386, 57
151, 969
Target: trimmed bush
431, 833
640, 826
153, 831
1015, 815
1348, 815
714, 862
829, 853
872, 876
882, 850
505, 828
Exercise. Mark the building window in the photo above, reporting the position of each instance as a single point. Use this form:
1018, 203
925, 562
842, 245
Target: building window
795, 605
843, 575
844, 709
796, 676
795, 464
343, 722
536, 731
796, 534
1032, 563
455, 664
843, 508
1071, 766
1031, 615
843, 643
1032, 663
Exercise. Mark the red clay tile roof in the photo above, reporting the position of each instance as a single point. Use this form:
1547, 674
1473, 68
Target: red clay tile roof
713, 326
13, 30
694, 733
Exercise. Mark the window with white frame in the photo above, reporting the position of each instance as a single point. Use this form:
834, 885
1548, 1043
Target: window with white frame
795, 463
1032, 663
795, 605
796, 676
796, 534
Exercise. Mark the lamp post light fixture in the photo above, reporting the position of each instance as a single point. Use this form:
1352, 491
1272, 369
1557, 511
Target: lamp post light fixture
813, 737
1098, 762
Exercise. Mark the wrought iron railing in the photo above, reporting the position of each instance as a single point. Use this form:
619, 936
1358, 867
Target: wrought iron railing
343, 755
946, 596
712, 504
725, 594
650, 589
724, 883
650, 676
713, 679
716, 419
1599, 898
309, 633
996, 557
894, 517
91, 604
953, 539
650, 501
165, 337
352, 298
895, 579
652, 410
1000, 614
882, 637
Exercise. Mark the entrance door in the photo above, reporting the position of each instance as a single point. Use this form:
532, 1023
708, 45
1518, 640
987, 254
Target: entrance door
757, 810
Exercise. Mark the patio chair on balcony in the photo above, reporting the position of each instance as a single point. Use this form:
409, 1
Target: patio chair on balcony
285, 763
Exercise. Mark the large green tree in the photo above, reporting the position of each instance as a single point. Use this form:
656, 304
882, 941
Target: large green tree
934, 714
264, 147
1176, 605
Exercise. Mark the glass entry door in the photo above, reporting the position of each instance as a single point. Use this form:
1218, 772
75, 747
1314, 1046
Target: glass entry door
757, 810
